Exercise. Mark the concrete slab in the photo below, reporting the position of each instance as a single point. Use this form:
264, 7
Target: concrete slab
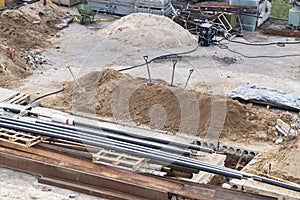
204, 177
265, 189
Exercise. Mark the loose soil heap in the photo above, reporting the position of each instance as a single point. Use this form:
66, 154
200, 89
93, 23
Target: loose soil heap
120, 96
26, 28
146, 30
281, 161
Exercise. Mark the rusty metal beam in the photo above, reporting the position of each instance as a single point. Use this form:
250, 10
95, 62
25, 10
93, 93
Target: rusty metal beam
83, 172
283, 32
79, 177
221, 6
100, 192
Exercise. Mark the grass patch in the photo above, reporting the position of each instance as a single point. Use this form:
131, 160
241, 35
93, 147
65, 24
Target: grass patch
280, 8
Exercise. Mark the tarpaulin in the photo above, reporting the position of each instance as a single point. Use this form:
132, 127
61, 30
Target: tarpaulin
250, 92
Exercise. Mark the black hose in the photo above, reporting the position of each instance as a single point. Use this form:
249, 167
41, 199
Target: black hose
46, 95
221, 46
281, 44
166, 56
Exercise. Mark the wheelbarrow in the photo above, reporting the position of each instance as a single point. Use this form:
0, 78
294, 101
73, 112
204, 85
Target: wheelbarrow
87, 15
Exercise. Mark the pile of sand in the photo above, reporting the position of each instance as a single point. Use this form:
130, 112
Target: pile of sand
109, 92
281, 161
149, 31
28, 27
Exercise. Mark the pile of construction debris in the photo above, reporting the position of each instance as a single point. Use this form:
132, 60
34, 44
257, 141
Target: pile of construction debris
35, 59
281, 161
287, 131
145, 31
24, 29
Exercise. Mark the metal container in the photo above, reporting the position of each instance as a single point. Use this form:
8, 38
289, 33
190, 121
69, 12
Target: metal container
125, 7
2, 4
294, 16
248, 22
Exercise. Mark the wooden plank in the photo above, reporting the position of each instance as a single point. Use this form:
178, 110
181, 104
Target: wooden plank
19, 138
18, 98
23, 99
272, 105
118, 160
6, 94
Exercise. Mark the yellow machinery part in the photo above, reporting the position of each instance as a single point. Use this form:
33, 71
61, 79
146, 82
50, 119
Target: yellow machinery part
2, 4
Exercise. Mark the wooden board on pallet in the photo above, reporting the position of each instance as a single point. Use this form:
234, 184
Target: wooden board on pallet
118, 160
13, 97
268, 104
20, 138
6, 94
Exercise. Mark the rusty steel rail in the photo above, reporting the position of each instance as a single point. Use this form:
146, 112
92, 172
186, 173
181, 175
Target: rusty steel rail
85, 176
224, 8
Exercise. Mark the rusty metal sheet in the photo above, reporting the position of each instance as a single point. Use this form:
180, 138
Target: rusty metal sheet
101, 192
64, 167
283, 32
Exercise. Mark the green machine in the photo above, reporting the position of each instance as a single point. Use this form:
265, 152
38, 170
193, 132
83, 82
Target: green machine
87, 15
294, 13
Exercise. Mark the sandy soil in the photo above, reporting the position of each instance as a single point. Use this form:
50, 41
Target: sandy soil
24, 29
146, 31
122, 97
281, 161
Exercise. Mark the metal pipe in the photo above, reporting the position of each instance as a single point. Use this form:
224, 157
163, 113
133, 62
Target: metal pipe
152, 151
115, 143
150, 82
151, 155
126, 145
276, 183
187, 81
135, 135
123, 149
173, 71
113, 137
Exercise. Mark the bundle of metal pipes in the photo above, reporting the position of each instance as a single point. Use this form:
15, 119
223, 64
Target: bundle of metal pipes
171, 154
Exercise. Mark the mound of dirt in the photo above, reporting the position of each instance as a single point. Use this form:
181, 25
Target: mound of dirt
281, 161
124, 98
30, 26
26, 28
146, 31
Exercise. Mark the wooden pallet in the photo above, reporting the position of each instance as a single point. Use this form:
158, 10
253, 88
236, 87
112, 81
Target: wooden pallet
18, 98
20, 138
118, 160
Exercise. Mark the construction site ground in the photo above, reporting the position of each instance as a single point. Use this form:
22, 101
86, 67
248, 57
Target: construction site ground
217, 71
